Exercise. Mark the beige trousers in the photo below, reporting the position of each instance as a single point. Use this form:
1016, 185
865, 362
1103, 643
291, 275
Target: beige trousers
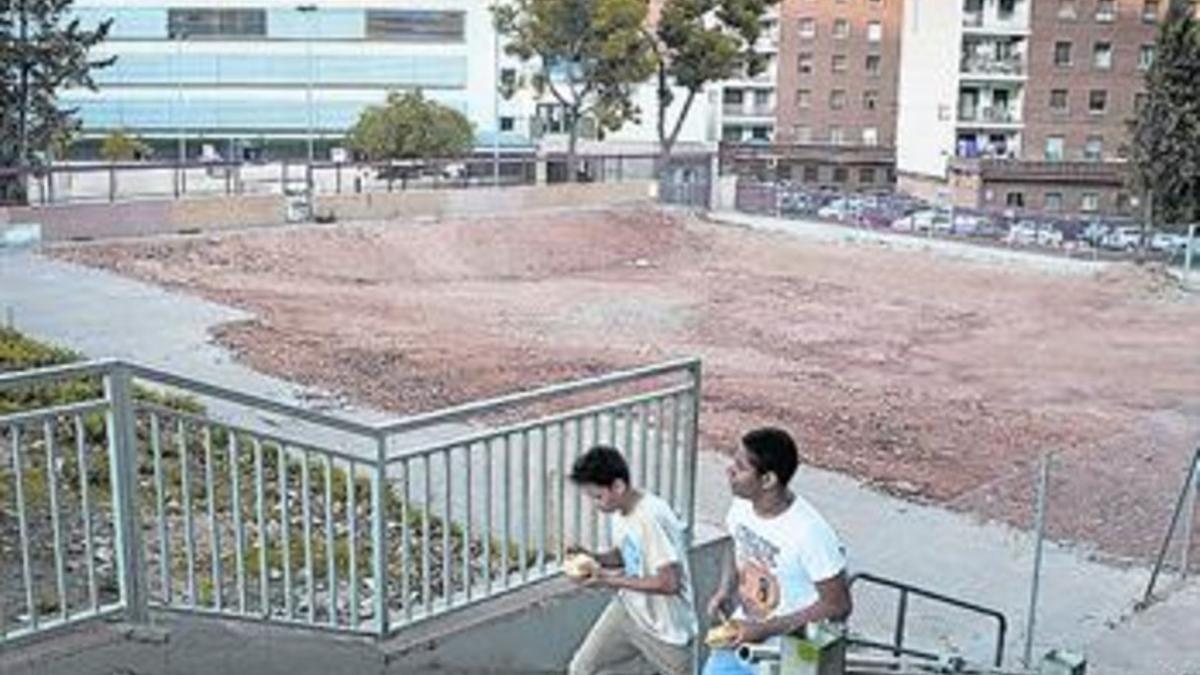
616, 644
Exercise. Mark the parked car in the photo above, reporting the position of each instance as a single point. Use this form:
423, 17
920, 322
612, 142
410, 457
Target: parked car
1095, 232
1033, 233
1169, 242
935, 220
1125, 238
840, 209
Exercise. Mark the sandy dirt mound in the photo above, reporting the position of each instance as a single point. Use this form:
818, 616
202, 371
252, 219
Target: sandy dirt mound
939, 379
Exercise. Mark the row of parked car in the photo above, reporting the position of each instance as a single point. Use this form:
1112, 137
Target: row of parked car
903, 213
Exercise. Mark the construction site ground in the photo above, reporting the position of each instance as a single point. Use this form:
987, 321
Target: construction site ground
1130, 413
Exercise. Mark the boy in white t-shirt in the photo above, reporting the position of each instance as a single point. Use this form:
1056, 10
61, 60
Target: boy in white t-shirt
651, 617
788, 569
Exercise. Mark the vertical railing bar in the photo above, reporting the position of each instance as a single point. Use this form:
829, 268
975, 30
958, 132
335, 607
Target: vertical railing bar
523, 502
606, 526
239, 531
637, 469
60, 574
352, 535
659, 430
447, 519
467, 516
330, 541
578, 518
86, 508
121, 425
505, 479
426, 530
486, 525
306, 510
379, 538
692, 450
643, 447
189, 533
594, 514
561, 497
406, 545
543, 475
260, 512
901, 615
285, 535
215, 543
23, 526
673, 455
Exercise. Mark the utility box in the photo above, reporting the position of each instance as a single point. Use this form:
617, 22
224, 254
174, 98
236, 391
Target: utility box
1060, 662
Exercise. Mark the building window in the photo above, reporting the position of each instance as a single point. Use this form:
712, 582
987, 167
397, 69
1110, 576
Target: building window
1054, 148
1106, 11
1053, 201
1150, 11
837, 99
1006, 9
804, 63
732, 134
1102, 53
761, 133
841, 174
1066, 10
1097, 101
732, 97
1146, 57
812, 173
837, 136
506, 124
216, 23
1059, 101
870, 136
1093, 148
874, 63
866, 175
1089, 202
838, 63
404, 25
841, 29
874, 31
803, 134
804, 98
808, 27
1062, 53
1015, 200
870, 99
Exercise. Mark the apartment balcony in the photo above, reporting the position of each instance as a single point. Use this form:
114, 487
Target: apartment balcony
990, 21
743, 111
989, 117
990, 68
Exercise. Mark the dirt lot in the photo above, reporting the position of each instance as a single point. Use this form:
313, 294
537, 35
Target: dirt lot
938, 379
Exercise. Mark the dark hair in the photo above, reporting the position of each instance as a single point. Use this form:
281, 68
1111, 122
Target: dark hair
601, 465
772, 449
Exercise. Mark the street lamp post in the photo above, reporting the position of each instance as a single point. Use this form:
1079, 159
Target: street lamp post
496, 104
181, 138
308, 10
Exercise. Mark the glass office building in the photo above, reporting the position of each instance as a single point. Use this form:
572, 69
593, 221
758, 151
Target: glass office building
243, 78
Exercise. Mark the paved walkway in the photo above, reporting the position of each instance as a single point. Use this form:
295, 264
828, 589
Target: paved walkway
1085, 605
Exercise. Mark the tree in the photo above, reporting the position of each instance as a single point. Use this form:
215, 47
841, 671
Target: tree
120, 146
409, 126
1164, 149
702, 41
590, 55
42, 52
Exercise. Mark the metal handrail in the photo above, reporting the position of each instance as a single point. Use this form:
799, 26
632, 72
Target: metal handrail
1190, 487
905, 589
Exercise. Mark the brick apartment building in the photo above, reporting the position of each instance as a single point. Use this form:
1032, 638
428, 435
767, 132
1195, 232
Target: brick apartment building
1006, 105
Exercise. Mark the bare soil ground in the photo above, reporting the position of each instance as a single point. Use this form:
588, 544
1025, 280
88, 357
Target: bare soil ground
942, 380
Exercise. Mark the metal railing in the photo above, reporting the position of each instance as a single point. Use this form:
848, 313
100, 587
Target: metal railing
148, 490
903, 593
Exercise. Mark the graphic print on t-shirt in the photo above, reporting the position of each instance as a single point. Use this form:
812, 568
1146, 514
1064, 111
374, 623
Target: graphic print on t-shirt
757, 584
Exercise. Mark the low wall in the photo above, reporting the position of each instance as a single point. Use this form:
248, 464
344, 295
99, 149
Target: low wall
68, 222
475, 201
531, 631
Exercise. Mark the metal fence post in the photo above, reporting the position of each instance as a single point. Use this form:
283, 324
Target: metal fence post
112, 184
379, 549
1189, 518
692, 447
122, 452
1039, 538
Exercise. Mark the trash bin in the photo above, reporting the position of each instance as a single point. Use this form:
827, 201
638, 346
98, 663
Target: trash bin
298, 208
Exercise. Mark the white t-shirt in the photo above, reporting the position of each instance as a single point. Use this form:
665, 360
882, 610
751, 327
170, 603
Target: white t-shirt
649, 537
780, 559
